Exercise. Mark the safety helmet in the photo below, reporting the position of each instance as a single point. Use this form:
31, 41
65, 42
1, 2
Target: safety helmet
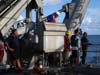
68, 32
56, 14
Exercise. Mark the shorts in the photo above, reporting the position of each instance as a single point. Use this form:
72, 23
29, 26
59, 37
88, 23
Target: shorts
74, 53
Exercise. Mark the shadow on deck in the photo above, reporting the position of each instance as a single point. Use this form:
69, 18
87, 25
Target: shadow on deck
93, 69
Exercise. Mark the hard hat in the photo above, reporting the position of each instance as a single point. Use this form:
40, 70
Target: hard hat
68, 32
58, 13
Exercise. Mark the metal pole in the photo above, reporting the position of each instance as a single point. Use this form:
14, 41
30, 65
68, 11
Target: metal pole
29, 12
60, 53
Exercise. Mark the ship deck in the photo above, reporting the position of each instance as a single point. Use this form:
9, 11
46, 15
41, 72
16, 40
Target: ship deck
87, 69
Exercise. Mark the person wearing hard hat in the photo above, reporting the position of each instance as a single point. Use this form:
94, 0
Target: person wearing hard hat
67, 50
52, 17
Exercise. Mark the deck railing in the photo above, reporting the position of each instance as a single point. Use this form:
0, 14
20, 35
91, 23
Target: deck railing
95, 49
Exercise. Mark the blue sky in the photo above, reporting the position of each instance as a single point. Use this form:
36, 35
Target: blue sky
91, 21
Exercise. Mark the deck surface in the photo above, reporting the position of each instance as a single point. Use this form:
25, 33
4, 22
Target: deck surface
64, 70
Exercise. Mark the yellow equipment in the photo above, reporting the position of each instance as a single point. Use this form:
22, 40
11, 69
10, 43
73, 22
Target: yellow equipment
68, 32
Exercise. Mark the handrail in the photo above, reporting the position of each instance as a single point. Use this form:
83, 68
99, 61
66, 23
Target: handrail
97, 46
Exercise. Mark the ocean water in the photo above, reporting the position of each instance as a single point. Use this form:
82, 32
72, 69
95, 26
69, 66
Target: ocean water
93, 54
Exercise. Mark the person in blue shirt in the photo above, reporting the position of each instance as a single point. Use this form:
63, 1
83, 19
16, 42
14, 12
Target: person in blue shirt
14, 48
52, 17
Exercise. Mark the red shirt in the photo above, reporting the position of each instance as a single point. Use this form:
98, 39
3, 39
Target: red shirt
66, 44
1, 52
